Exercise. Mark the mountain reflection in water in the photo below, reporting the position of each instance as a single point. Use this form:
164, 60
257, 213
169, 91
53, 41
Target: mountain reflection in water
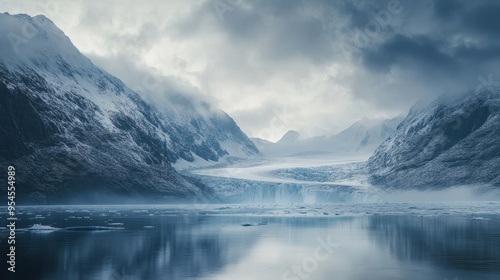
158, 244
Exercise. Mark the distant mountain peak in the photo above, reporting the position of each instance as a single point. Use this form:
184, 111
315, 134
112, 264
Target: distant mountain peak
289, 137
361, 138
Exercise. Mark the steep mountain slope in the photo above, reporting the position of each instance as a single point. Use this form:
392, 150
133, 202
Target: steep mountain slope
363, 137
199, 130
452, 141
71, 128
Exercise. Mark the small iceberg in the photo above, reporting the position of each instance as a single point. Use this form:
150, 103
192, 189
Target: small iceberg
91, 228
40, 227
253, 225
480, 219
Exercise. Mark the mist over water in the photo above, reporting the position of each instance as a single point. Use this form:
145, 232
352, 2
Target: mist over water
452, 194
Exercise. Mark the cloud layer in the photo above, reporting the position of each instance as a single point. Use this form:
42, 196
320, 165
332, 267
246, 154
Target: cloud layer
313, 66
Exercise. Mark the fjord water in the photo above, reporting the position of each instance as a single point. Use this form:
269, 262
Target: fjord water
370, 241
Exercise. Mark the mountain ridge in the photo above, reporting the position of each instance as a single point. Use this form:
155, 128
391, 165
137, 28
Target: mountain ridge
362, 137
452, 141
71, 128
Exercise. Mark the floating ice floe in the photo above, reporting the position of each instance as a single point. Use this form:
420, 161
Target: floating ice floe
480, 219
40, 227
91, 228
252, 225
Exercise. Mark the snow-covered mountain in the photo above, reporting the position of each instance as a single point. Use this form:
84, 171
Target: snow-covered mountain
199, 131
289, 138
260, 143
365, 135
71, 128
361, 138
453, 141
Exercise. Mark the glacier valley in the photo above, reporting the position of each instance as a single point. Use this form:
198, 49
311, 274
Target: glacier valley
316, 179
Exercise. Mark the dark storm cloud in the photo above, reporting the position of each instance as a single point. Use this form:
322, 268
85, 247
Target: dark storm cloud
359, 12
370, 58
481, 17
447, 48
446, 9
484, 18
462, 34
401, 49
478, 54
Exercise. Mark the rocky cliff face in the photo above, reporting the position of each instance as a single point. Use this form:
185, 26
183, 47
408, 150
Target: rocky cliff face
452, 141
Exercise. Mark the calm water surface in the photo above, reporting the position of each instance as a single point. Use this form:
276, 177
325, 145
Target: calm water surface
230, 242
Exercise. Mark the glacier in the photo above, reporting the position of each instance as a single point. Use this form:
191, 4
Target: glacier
291, 180
231, 190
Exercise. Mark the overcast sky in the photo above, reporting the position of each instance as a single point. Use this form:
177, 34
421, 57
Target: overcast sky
274, 65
